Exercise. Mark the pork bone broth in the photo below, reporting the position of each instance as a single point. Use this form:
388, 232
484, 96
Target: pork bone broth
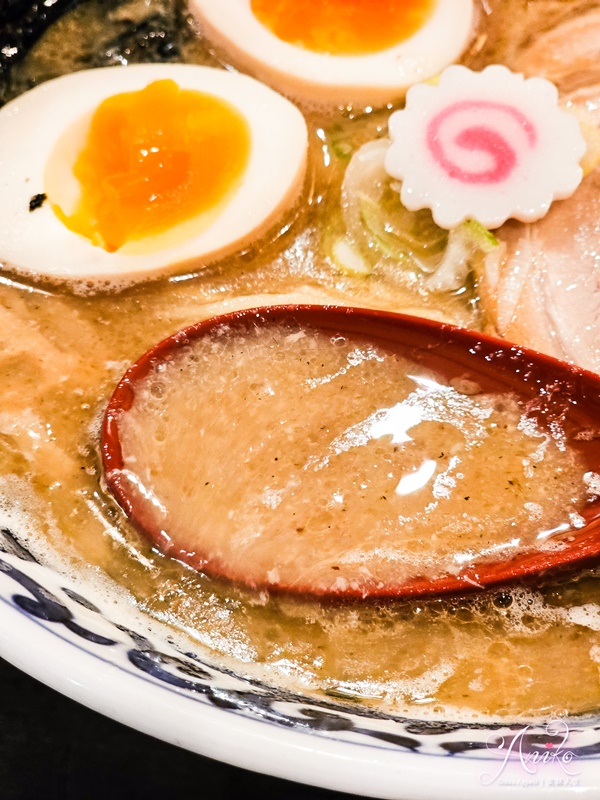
504, 653
290, 457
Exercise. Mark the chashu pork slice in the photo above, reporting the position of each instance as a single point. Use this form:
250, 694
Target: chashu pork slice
569, 56
542, 289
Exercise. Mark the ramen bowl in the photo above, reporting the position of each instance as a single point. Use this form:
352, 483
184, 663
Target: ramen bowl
112, 659
88, 637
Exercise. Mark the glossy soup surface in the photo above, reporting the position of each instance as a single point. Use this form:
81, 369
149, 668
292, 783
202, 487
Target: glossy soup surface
287, 457
504, 653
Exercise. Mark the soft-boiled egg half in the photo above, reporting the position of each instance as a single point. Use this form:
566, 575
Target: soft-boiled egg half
343, 52
128, 172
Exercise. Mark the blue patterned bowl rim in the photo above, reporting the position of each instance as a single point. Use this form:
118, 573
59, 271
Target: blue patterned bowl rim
116, 661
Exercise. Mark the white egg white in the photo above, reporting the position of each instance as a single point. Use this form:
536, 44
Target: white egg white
316, 78
32, 125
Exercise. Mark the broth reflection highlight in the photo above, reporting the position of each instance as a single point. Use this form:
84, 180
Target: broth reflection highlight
286, 456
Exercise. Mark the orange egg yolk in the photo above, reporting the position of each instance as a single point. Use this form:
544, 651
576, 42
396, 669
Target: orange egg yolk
343, 27
154, 159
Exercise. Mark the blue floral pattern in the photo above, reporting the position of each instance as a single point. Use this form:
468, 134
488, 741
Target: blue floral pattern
71, 616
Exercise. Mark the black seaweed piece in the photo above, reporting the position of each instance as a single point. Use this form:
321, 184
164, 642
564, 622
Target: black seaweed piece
21, 24
156, 38
37, 201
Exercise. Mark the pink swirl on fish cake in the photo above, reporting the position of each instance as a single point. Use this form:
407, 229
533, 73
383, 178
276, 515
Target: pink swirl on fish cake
480, 138
486, 146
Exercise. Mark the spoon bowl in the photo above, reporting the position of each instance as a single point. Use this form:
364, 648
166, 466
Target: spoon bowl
556, 396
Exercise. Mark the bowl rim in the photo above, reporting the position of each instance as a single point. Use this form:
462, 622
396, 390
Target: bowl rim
45, 631
31, 644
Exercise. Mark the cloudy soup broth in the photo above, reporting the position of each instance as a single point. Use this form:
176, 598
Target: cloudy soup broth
506, 652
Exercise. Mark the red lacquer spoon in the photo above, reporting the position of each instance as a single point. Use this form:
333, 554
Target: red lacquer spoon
554, 393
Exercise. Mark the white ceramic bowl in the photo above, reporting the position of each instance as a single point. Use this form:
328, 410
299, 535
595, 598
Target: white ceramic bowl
112, 658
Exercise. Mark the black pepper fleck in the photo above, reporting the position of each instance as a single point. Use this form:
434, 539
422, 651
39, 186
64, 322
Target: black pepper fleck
37, 201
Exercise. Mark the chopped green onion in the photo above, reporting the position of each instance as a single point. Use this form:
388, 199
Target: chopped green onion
348, 259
